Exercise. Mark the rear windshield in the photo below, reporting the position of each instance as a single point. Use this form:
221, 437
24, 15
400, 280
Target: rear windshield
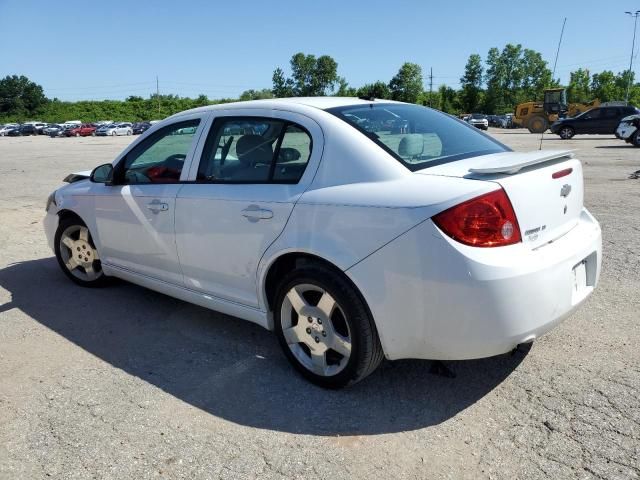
418, 137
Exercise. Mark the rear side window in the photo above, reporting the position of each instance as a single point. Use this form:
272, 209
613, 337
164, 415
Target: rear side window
254, 150
418, 137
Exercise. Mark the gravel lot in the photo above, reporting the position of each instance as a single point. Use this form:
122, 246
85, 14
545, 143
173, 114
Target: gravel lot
125, 383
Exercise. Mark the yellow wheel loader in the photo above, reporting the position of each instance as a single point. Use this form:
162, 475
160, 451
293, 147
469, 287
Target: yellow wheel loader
537, 116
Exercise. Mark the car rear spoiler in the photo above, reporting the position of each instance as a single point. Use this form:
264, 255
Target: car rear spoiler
510, 162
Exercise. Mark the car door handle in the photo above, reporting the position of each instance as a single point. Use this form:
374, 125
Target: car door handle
158, 206
255, 213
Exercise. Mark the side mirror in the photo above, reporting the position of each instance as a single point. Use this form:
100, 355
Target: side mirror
102, 174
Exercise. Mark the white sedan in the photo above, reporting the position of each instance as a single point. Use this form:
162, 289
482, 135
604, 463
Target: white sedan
115, 129
355, 229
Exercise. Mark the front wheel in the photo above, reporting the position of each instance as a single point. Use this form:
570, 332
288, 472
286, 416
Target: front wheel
324, 327
113, 134
538, 124
77, 254
566, 133
635, 139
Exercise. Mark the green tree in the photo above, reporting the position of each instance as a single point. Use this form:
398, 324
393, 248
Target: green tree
603, 86
256, 94
19, 96
471, 83
344, 90
448, 99
282, 86
513, 76
579, 89
406, 85
376, 90
310, 77
535, 77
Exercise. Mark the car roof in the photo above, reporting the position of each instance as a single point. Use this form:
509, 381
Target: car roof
321, 103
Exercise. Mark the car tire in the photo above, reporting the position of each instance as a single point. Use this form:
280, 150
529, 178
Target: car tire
77, 254
635, 139
113, 134
537, 124
129, 132
332, 349
566, 133
77, 134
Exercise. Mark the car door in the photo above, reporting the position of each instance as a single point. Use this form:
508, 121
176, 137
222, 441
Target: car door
589, 122
254, 166
135, 216
610, 118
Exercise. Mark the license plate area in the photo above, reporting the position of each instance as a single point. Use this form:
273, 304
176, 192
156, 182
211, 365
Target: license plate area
583, 277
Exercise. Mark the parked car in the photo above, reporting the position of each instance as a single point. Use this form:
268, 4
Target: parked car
352, 243
7, 128
599, 121
494, 121
56, 130
16, 132
479, 120
28, 129
84, 130
49, 128
115, 129
629, 130
140, 127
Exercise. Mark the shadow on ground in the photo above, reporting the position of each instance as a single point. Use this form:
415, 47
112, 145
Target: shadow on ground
234, 369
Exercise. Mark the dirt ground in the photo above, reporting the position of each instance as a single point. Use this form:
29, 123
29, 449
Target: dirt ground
125, 383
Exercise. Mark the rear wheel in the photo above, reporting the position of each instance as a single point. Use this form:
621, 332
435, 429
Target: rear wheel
325, 328
538, 124
77, 254
113, 134
635, 139
566, 133
77, 134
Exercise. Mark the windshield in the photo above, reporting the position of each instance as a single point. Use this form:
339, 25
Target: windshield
418, 137
477, 116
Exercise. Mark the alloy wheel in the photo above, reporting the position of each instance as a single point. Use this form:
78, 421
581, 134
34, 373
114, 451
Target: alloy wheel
316, 329
78, 254
566, 133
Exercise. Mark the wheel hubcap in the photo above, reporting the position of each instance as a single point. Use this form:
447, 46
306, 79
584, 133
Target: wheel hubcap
316, 329
78, 254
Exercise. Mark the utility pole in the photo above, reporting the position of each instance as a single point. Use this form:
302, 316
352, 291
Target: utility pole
158, 93
633, 46
430, 85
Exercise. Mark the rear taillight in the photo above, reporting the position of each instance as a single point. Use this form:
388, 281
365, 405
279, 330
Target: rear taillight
484, 221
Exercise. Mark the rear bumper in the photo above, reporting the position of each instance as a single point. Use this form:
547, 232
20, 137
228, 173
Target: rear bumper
434, 298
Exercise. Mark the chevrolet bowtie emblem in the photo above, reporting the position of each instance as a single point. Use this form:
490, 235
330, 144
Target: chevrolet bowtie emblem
565, 190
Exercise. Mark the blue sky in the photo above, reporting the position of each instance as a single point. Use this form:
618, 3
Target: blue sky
97, 49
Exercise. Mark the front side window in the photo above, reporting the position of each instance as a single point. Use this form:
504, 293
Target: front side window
418, 137
592, 114
254, 150
160, 158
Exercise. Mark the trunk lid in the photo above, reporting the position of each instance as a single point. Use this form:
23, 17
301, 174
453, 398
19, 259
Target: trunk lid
545, 188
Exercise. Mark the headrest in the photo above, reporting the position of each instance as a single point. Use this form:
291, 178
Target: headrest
254, 149
411, 145
288, 154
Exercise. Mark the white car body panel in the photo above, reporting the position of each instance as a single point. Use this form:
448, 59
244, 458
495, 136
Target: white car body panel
476, 304
365, 213
626, 128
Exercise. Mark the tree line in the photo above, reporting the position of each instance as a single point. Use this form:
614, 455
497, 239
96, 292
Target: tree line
494, 85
